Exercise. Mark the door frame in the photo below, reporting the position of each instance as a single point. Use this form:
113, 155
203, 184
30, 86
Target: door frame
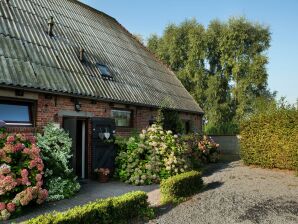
85, 144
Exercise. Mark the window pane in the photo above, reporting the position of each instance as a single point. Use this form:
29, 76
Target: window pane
122, 118
14, 113
104, 71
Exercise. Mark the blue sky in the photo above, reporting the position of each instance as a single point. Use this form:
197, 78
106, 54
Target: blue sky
151, 16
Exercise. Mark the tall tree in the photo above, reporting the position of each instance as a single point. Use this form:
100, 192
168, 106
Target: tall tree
243, 46
219, 110
183, 49
223, 66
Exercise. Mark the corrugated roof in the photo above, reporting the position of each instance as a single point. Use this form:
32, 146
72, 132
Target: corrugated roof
30, 58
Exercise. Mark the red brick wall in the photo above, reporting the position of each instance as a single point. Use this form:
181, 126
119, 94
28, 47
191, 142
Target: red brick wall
47, 111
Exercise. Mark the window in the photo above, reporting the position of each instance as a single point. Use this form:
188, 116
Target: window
104, 70
16, 113
123, 118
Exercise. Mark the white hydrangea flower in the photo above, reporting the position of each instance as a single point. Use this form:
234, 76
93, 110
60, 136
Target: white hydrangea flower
169, 132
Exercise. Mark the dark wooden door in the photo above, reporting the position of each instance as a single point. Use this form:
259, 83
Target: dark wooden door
70, 125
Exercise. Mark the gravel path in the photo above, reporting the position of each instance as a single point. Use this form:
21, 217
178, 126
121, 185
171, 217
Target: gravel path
239, 194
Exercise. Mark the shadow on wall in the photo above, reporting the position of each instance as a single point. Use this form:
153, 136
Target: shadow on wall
229, 146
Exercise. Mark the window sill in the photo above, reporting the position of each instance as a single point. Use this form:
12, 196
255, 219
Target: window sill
18, 125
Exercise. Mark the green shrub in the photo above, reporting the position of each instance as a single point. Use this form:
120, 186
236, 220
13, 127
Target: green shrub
56, 153
153, 155
228, 128
120, 209
181, 186
201, 149
270, 139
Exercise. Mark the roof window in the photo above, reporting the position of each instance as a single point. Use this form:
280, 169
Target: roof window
104, 70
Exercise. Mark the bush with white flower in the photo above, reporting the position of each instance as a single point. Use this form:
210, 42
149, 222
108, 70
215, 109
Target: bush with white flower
56, 154
21, 173
153, 155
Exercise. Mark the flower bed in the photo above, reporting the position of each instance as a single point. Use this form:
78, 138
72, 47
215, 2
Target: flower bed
153, 155
21, 173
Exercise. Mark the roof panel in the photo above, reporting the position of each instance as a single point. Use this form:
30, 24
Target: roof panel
29, 57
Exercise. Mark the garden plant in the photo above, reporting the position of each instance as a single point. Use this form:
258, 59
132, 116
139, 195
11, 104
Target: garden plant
177, 188
270, 138
21, 173
122, 209
201, 149
56, 154
153, 155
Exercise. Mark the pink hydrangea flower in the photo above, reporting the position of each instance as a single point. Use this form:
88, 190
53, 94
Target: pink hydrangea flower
10, 139
38, 177
42, 195
24, 173
9, 180
40, 167
7, 183
18, 147
8, 148
4, 169
2, 206
11, 207
32, 139
32, 164
26, 151
39, 183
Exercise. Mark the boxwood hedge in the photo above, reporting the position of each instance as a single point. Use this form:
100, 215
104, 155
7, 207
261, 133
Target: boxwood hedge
181, 186
120, 209
270, 139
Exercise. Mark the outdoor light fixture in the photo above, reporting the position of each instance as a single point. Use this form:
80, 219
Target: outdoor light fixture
77, 105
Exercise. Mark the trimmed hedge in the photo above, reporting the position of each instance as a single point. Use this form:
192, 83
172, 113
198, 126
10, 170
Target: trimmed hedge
120, 209
270, 139
181, 186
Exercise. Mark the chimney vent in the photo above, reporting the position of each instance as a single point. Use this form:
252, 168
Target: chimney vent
82, 51
51, 25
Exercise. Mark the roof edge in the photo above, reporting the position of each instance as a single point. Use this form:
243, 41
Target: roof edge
93, 98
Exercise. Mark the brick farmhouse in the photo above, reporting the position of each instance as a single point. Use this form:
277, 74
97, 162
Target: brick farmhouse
64, 62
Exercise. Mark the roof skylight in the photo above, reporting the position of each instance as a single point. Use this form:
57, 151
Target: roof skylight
104, 70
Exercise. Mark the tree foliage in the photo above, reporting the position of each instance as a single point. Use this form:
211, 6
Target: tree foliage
223, 66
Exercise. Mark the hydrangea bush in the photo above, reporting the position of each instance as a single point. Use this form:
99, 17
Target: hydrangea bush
56, 154
153, 155
201, 149
21, 173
